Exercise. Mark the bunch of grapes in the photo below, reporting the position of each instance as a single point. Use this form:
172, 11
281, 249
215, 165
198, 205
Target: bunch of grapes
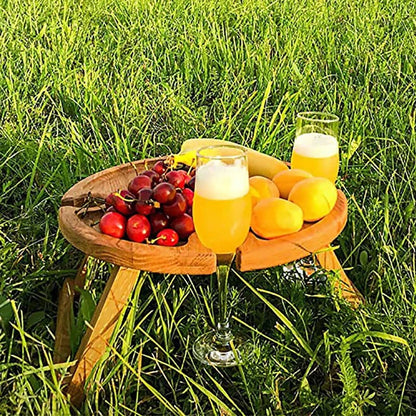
156, 207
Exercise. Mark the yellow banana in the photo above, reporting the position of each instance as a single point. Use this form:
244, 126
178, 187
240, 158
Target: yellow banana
187, 158
258, 163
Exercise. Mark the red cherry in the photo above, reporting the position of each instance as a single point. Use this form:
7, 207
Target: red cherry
145, 194
109, 200
144, 204
144, 208
177, 178
138, 228
191, 183
139, 182
167, 237
176, 207
114, 224
189, 196
164, 192
183, 225
154, 176
159, 167
123, 202
158, 221
187, 179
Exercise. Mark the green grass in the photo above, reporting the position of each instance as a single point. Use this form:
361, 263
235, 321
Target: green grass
85, 85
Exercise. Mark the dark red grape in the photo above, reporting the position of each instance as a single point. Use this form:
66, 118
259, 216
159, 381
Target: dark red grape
139, 182
167, 237
176, 207
114, 224
164, 192
138, 228
183, 225
158, 221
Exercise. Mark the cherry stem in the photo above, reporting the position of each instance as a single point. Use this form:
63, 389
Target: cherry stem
190, 168
169, 161
135, 168
123, 198
88, 202
162, 237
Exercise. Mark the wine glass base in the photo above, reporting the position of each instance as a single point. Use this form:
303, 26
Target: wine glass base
210, 352
299, 269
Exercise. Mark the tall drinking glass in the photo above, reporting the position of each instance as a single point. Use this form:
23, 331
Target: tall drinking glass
315, 150
316, 144
222, 213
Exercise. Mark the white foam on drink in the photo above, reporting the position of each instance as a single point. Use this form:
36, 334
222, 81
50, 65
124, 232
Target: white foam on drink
316, 145
218, 180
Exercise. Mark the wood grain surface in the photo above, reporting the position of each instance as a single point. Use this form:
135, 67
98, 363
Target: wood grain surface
95, 341
192, 257
62, 348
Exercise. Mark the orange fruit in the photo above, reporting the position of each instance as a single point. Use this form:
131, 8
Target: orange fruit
274, 217
287, 179
261, 188
316, 197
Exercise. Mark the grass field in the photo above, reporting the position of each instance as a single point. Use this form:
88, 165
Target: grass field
85, 85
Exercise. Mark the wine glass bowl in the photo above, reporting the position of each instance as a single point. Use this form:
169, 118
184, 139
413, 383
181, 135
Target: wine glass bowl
222, 203
316, 146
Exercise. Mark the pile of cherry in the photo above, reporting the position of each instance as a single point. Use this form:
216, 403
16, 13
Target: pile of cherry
156, 207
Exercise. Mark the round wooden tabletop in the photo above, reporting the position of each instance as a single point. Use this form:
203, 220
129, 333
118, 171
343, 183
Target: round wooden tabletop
191, 257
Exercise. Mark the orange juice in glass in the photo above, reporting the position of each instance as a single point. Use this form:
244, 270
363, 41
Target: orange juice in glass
222, 205
222, 214
316, 146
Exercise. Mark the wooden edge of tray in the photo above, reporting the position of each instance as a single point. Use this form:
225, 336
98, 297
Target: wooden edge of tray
102, 183
256, 253
190, 258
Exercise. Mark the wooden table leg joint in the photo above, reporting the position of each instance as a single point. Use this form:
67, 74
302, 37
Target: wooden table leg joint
346, 288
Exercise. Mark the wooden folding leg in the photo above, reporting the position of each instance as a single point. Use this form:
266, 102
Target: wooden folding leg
62, 350
328, 260
95, 341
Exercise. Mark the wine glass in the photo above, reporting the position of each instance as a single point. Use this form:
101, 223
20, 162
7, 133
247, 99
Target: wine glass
316, 144
315, 150
222, 213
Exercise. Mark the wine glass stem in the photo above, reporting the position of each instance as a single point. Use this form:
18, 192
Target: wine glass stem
223, 334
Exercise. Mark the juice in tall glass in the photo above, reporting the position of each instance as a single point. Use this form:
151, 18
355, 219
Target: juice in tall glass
316, 153
222, 205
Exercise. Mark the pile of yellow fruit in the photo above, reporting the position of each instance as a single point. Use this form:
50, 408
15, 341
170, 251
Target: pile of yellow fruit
283, 203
